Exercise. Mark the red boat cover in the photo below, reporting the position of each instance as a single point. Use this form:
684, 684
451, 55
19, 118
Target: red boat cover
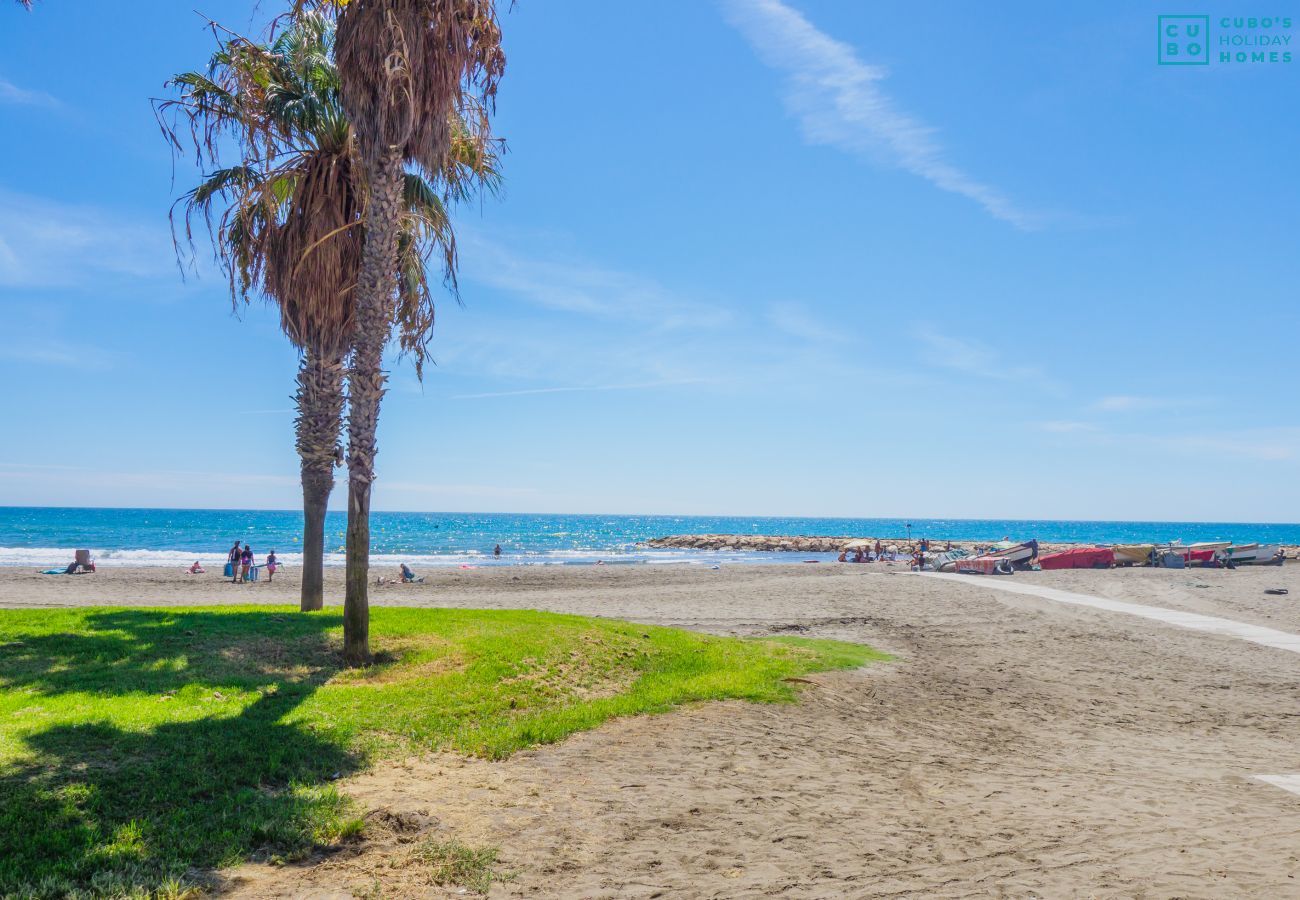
1079, 558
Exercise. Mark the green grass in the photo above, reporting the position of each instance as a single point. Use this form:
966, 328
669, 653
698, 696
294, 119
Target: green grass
139, 747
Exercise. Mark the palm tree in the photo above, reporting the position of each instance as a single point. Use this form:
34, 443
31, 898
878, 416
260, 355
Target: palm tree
287, 222
406, 70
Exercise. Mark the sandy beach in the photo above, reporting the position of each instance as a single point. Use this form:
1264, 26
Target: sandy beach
1017, 746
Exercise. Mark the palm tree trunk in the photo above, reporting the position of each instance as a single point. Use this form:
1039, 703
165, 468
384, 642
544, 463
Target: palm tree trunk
372, 323
320, 419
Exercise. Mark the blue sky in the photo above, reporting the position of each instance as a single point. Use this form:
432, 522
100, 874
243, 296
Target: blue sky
788, 257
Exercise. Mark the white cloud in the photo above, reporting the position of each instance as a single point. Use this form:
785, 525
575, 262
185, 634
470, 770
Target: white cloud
1260, 444
178, 481
13, 94
1067, 427
1130, 403
56, 353
797, 321
1265, 444
839, 101
402, 488
580, 389
44, 243
971, 357
584, 288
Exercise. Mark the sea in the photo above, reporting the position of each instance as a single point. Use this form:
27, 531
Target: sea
47, 536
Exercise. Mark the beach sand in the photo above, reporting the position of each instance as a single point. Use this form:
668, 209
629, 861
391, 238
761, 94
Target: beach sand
1017, 747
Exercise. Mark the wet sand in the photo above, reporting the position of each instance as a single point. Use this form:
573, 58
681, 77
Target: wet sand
1017, 747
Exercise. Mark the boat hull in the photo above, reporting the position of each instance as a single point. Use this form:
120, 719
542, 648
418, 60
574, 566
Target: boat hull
1020, 556
984, 565
1256, 555
1134, 554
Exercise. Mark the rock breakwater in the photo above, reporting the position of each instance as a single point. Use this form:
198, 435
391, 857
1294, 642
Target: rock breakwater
793, 543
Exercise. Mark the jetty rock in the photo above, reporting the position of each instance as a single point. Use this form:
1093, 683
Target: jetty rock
769, 542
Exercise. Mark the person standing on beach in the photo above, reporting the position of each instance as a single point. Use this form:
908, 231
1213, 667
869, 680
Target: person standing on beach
271, 565
233, 558
245, 563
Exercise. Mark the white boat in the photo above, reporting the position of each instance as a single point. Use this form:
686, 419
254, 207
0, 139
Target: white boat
945, 561
1018, 555
1255, 555
1134, 554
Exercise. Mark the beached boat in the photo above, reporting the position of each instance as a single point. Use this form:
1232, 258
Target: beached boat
1134, 554
945, 561
1171, 559
1255, 555
1019, 555
1079, 558
984, 565
1207, 554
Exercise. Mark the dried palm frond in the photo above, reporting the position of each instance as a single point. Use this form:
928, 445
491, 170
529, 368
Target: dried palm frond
405, 66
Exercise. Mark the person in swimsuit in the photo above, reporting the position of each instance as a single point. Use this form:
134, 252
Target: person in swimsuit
233, 557
271, 565
245, 562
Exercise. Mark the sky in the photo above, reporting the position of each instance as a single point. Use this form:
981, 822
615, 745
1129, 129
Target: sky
753, 257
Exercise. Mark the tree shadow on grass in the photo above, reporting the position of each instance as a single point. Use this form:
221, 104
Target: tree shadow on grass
116, 796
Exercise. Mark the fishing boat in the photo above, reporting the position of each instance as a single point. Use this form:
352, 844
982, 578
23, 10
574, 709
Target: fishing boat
1255, 555
1079, 558
1134, 554
1209, 554
984, 565
1019, 555
1171, 559
945, 561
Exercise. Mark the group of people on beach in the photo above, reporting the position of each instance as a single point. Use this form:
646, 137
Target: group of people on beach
241, 563
882, 553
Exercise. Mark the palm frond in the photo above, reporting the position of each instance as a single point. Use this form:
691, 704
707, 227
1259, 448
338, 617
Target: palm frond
287, 220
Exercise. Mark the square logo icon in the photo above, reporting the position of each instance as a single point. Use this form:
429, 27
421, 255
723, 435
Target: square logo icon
1184, 40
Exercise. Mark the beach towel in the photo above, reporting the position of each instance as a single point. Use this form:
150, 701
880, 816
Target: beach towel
55, 572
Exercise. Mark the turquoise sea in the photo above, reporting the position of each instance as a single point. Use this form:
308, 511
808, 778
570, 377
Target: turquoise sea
46, 536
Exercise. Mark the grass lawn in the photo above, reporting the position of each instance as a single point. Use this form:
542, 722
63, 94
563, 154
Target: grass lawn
139, 745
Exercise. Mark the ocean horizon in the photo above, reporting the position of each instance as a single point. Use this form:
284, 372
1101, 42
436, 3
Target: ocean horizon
46, 536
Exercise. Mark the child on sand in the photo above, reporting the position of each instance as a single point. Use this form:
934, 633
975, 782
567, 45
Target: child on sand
271, 565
